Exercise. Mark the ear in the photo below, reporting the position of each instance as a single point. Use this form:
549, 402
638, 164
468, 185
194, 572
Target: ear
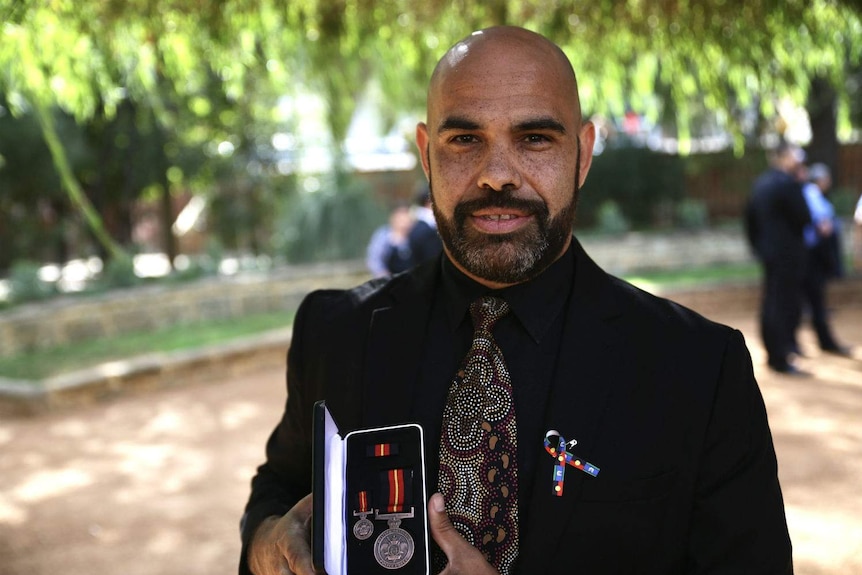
422, 144
587, 138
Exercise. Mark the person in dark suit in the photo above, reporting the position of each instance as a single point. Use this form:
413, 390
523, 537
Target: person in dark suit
424, 242
775, 218
662, 400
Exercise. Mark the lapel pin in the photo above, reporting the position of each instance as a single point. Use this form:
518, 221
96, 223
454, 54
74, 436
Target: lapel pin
560, 451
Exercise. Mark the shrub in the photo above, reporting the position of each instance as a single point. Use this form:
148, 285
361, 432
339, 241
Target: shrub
611, 220
119, 273
26, 283
636, 179
692, 214
331, 224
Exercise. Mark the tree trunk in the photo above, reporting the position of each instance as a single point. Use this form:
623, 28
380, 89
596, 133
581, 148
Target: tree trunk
166, 209
822, 114
76, 195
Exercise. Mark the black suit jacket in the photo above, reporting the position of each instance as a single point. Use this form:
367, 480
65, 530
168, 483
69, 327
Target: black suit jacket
661, 399
775, 217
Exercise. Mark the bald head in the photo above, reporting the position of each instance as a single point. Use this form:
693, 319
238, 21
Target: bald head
499, 55
505, 151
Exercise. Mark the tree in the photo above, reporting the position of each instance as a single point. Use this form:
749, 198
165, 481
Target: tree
90, 56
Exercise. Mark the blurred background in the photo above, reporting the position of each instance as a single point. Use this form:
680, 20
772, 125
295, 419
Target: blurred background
275, 132
176, 174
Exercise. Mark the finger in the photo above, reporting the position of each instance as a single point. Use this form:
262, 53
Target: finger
296, 545
442, 530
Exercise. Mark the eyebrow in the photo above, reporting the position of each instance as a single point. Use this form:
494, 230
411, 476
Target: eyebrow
541, 124
457, 123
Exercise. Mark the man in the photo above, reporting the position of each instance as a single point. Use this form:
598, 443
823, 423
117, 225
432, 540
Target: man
775, 218
823, 259
661, 400
423, 239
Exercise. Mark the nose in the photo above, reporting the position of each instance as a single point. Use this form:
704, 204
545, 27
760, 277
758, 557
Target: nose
499, 170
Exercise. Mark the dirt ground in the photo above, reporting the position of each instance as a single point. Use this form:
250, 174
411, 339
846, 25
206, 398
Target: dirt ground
155, 484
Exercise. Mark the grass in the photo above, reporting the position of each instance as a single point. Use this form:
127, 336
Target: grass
56, 360
52, 361
693, 277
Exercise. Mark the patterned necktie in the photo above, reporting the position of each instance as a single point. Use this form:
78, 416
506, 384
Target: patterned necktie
478, 446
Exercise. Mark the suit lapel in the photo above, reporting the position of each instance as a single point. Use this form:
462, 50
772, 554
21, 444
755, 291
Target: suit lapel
395, 344
576, 405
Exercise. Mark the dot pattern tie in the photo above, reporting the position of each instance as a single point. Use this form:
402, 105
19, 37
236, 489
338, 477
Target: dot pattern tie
478, 447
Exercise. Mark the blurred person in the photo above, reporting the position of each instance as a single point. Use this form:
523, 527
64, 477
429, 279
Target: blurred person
775, 217
423, 239
824, 258
513, 335
388, 249
857, 234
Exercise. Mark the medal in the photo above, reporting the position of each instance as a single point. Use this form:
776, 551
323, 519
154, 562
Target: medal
394, 548
363, 528
563, 457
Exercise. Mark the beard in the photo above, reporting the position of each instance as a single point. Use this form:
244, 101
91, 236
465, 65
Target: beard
507, 258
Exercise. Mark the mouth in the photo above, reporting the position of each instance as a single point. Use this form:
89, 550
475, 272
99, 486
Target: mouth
500, 223
499, 214
498, 217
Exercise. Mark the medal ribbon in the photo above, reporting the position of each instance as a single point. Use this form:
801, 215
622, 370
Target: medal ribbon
396, 490
363, 502
382, 449
563, 458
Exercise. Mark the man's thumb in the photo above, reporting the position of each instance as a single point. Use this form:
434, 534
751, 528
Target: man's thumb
442, 530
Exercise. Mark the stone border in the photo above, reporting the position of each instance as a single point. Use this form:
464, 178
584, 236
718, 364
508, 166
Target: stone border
164, 370
143, 373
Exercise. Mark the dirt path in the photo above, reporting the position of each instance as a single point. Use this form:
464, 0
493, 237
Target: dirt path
155, 484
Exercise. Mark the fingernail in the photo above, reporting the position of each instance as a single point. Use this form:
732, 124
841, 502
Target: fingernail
438, 503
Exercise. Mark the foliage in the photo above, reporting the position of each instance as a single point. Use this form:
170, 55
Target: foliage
88, 55
26, 285
844, 200
119, 273
196, 74
32, 207
692, 214
636, 179
610, 219
330, 224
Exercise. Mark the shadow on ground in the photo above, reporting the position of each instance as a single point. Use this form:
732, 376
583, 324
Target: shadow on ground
155, 483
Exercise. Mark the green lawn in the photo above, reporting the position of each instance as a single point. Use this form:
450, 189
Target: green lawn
53, 361
56, 360
693, 277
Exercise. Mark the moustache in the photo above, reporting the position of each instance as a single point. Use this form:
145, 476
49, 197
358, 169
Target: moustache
500, 200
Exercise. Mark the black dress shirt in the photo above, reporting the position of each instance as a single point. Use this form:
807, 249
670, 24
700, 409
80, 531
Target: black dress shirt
529, 337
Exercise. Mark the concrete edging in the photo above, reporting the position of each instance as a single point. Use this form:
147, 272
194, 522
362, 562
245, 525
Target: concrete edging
143, 373
194, 366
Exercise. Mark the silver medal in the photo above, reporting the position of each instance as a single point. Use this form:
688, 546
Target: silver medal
363, 528
394, 548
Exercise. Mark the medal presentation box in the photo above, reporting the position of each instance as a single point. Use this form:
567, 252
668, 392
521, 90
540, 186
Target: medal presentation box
369, 499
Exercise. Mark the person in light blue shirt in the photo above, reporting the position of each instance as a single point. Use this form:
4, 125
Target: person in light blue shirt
388, 250
822, 239
823, 222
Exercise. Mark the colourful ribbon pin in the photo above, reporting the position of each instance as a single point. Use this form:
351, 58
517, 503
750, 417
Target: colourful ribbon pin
563, 457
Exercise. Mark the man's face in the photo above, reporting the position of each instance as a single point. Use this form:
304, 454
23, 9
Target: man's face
505, 153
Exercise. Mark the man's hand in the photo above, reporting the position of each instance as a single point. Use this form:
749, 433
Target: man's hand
463, 557
281, 545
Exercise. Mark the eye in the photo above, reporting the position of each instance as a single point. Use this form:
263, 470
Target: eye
464, 139
536, 138
537, 142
